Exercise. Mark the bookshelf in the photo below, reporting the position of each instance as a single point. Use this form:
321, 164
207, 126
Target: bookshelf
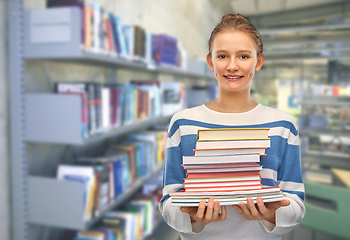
64, 197
37, 198
334, 130
323, 124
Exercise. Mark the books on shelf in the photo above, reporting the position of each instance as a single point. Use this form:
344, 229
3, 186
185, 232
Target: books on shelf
90, 28
122, 166
133, 220
226, 173
105, 107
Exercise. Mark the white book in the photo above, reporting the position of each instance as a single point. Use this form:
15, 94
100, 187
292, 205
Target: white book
214, 159
228, 151
106, 109
256, 143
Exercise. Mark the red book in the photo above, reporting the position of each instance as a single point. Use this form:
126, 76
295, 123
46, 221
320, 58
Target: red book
109, 34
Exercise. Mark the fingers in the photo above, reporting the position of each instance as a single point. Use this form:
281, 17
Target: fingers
223, 214
201, 210
255, 214
206, 212
261, 210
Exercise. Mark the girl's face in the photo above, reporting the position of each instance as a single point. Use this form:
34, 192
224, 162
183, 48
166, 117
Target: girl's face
234, 60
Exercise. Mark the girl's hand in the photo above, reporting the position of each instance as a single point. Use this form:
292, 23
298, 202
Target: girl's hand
206, 214
260, 211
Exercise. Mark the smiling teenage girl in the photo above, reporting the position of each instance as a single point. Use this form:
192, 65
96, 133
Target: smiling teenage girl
235, 53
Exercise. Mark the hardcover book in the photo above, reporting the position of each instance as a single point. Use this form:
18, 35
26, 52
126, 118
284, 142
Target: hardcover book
232, 134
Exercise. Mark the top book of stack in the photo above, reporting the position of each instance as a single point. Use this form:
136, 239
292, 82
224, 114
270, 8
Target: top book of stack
232, 134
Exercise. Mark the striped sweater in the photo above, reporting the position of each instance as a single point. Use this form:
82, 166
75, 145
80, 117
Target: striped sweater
281, 167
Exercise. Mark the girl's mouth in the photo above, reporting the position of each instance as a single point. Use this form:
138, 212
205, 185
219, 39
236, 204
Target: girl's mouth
233, 77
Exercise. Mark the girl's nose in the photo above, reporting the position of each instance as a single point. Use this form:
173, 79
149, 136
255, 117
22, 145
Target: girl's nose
232, 65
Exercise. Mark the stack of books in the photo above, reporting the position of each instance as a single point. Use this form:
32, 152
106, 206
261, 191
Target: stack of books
226, 167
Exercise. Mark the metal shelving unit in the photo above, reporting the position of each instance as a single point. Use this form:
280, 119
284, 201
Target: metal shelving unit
325, 157
28, 203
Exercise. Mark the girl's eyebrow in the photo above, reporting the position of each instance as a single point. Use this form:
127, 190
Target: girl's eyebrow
245, 51
239, 52
221, 51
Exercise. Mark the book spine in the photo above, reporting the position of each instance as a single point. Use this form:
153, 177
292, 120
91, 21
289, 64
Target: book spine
98, 106
92, 123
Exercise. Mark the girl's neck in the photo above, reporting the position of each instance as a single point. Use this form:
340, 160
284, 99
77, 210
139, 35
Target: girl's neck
232, 103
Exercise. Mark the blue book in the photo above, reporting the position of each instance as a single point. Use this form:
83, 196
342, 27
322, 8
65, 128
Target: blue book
114, 33
120, 36
118, 177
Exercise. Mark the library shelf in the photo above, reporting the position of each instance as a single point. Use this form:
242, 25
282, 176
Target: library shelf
317, 132
60, 203
55, 118
331, 101
70, 49
327, 160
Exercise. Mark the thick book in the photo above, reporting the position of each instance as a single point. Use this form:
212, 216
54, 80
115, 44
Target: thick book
240, 193
232, 134
238, 158
185, 198
227, 201
253, 143
228, 151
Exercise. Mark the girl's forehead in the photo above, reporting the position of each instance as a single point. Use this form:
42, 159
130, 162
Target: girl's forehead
236, 37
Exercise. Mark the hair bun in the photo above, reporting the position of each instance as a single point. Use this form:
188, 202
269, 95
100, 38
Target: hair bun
229, 17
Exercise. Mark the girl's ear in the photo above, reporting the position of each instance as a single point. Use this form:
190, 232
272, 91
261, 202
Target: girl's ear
210, 63
260, 62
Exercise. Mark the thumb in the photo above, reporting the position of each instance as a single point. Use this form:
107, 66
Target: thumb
186, 209
285, 202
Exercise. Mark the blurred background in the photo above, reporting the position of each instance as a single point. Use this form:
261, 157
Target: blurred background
87, 89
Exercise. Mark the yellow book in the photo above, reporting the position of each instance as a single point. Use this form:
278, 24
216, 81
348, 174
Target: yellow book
91, 234
219, 134
90, 198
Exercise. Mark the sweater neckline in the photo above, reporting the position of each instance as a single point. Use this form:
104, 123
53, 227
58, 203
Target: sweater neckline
241, 113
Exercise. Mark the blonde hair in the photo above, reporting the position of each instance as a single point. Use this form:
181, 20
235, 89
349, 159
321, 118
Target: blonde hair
236, 22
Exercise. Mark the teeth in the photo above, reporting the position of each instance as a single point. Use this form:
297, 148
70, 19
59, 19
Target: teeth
232, 77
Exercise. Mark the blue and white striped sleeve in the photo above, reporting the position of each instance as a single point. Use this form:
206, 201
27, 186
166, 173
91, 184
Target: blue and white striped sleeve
173, 181
290, 181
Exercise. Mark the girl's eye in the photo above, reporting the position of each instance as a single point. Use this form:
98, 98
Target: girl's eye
221, 56
244, 56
